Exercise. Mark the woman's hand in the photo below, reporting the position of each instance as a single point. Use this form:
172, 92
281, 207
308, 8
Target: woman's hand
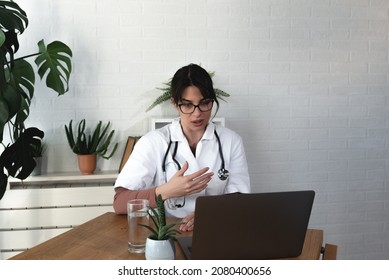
188, 223
183, 185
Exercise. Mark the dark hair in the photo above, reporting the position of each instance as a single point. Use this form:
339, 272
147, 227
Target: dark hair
192, 75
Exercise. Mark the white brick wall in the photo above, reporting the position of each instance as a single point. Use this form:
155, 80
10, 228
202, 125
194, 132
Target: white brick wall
308, 79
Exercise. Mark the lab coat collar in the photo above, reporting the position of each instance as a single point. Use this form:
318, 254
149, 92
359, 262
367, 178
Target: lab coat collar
178, 135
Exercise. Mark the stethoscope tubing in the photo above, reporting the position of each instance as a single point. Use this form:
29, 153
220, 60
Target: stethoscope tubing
223, 174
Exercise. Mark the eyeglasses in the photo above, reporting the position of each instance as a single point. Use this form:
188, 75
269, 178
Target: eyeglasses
189, 108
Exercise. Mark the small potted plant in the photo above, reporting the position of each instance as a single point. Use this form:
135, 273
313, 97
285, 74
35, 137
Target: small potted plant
38, 149
160, 244
89, 146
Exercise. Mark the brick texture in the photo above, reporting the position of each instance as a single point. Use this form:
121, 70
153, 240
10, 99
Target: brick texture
308, 81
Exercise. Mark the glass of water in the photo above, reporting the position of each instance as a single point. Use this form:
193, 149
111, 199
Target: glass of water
137, 213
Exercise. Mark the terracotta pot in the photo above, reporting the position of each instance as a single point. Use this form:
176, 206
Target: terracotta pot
87, 164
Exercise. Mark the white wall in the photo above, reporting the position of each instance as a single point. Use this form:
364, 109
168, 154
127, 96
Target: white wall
308, 79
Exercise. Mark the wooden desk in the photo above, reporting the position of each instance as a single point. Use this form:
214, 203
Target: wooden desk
105, 238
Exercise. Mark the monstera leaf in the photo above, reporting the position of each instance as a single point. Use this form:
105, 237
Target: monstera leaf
18, 158
12, 16
55, 60
17, 83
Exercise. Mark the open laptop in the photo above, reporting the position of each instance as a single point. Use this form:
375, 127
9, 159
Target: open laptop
249, 226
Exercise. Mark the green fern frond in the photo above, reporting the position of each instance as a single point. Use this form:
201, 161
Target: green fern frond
162, 98
166, 93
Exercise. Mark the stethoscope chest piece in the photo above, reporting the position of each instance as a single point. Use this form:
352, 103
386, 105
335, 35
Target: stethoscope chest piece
223, 174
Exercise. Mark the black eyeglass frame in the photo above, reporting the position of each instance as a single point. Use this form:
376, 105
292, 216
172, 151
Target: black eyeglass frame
197, 106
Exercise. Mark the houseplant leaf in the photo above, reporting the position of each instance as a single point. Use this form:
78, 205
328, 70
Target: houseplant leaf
13, 17
13, 21
3, 116
96, 143
3, 183
2, 38
18, 159
20, 90
23, 78
55, 62
12, 98
162, 231
17, 79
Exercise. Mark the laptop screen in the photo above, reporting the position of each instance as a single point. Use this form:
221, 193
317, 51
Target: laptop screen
251, 226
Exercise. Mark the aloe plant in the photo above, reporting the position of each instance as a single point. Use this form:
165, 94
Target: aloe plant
162, 231
38, 149
86, 144
17, 84
166, 93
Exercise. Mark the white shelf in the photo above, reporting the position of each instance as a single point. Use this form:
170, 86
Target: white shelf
65, 178
41, 207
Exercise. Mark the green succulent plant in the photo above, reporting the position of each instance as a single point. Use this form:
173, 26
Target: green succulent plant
162, 231
38, 149
96, 143
166, 93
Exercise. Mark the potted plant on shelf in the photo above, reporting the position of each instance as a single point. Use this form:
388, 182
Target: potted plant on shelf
166, 93
160, 244
17, 83
38, 150
89, 146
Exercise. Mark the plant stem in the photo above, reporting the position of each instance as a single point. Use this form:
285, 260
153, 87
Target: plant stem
27, 56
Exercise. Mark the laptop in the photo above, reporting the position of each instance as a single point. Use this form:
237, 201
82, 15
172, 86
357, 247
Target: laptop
249, 226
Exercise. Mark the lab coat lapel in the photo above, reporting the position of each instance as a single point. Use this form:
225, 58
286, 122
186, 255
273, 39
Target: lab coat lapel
208, 135
184, 151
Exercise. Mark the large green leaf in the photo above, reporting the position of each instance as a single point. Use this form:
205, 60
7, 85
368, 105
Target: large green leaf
13, 21
2, 38
18, 158
55, 62
13, 100
12, 17
17, 79
3, 183
22, 77
4, 115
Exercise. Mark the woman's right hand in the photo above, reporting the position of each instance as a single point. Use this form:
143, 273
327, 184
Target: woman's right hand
183, 185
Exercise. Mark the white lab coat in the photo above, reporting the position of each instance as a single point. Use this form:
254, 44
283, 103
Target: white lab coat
144, 167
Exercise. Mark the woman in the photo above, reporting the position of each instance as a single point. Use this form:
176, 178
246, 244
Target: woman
181, 161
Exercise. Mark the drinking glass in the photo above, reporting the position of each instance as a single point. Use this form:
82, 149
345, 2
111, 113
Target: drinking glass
137, 213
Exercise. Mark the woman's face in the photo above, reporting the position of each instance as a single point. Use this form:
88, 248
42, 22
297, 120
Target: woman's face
196, 121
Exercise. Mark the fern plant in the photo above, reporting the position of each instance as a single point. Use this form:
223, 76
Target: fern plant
166, 93
86, 144
162, 231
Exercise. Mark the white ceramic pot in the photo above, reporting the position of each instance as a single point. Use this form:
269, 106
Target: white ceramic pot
38, 168
160, 249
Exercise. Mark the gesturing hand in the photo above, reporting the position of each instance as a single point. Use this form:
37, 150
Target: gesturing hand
182, 185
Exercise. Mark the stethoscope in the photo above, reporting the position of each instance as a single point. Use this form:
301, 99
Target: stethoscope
222, 173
